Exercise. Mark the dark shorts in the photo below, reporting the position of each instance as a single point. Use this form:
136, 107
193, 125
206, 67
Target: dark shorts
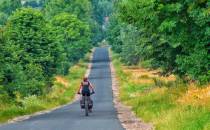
85, 93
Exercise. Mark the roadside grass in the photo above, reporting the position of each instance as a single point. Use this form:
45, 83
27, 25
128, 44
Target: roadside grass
167, 102
62, 92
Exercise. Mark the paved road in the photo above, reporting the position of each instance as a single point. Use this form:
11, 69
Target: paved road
71, 117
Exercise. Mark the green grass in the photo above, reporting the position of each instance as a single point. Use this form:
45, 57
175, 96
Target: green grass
184, 118
159, 105
59, 95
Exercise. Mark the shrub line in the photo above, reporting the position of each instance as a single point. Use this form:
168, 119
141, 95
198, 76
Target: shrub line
76, 97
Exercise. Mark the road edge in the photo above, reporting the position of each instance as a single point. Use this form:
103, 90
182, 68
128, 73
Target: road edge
127, 118
77, 97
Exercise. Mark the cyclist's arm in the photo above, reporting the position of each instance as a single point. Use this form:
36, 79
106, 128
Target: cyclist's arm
80, 87
91, 87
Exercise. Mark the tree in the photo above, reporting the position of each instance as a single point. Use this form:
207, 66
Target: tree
81, 8
75, 35
114, 34
6, 9
2, 61
174, 35
29, 53
8, 6
3, 18
102, 9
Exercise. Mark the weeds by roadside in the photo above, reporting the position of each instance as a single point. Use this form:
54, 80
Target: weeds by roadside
167, 102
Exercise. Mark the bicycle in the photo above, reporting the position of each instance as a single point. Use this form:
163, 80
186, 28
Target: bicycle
87, 105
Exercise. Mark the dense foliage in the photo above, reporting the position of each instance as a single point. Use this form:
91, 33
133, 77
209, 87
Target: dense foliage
28, 52
75, 37
172, 35
102, 9
39, 39
6, 9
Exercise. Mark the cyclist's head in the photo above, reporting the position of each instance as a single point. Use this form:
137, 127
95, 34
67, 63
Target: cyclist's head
85, 79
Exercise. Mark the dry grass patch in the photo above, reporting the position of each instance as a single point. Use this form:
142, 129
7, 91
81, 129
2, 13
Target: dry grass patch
166, 101
196, 96
139, 75
62, 80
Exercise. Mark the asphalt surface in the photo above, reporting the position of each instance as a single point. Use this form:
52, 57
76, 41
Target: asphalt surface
71, 117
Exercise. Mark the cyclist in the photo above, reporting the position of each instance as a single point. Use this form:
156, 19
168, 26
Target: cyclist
86, 88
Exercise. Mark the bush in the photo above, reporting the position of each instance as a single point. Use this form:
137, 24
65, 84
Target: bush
29, 53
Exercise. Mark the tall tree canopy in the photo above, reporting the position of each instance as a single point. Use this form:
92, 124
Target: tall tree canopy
41, 39
172, 35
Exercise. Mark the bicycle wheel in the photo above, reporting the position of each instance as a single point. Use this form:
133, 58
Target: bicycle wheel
86, 105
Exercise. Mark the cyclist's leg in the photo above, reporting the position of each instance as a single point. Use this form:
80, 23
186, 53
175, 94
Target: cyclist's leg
82, 101
90, 102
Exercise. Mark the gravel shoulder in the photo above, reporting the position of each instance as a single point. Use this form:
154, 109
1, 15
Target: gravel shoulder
127, 118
